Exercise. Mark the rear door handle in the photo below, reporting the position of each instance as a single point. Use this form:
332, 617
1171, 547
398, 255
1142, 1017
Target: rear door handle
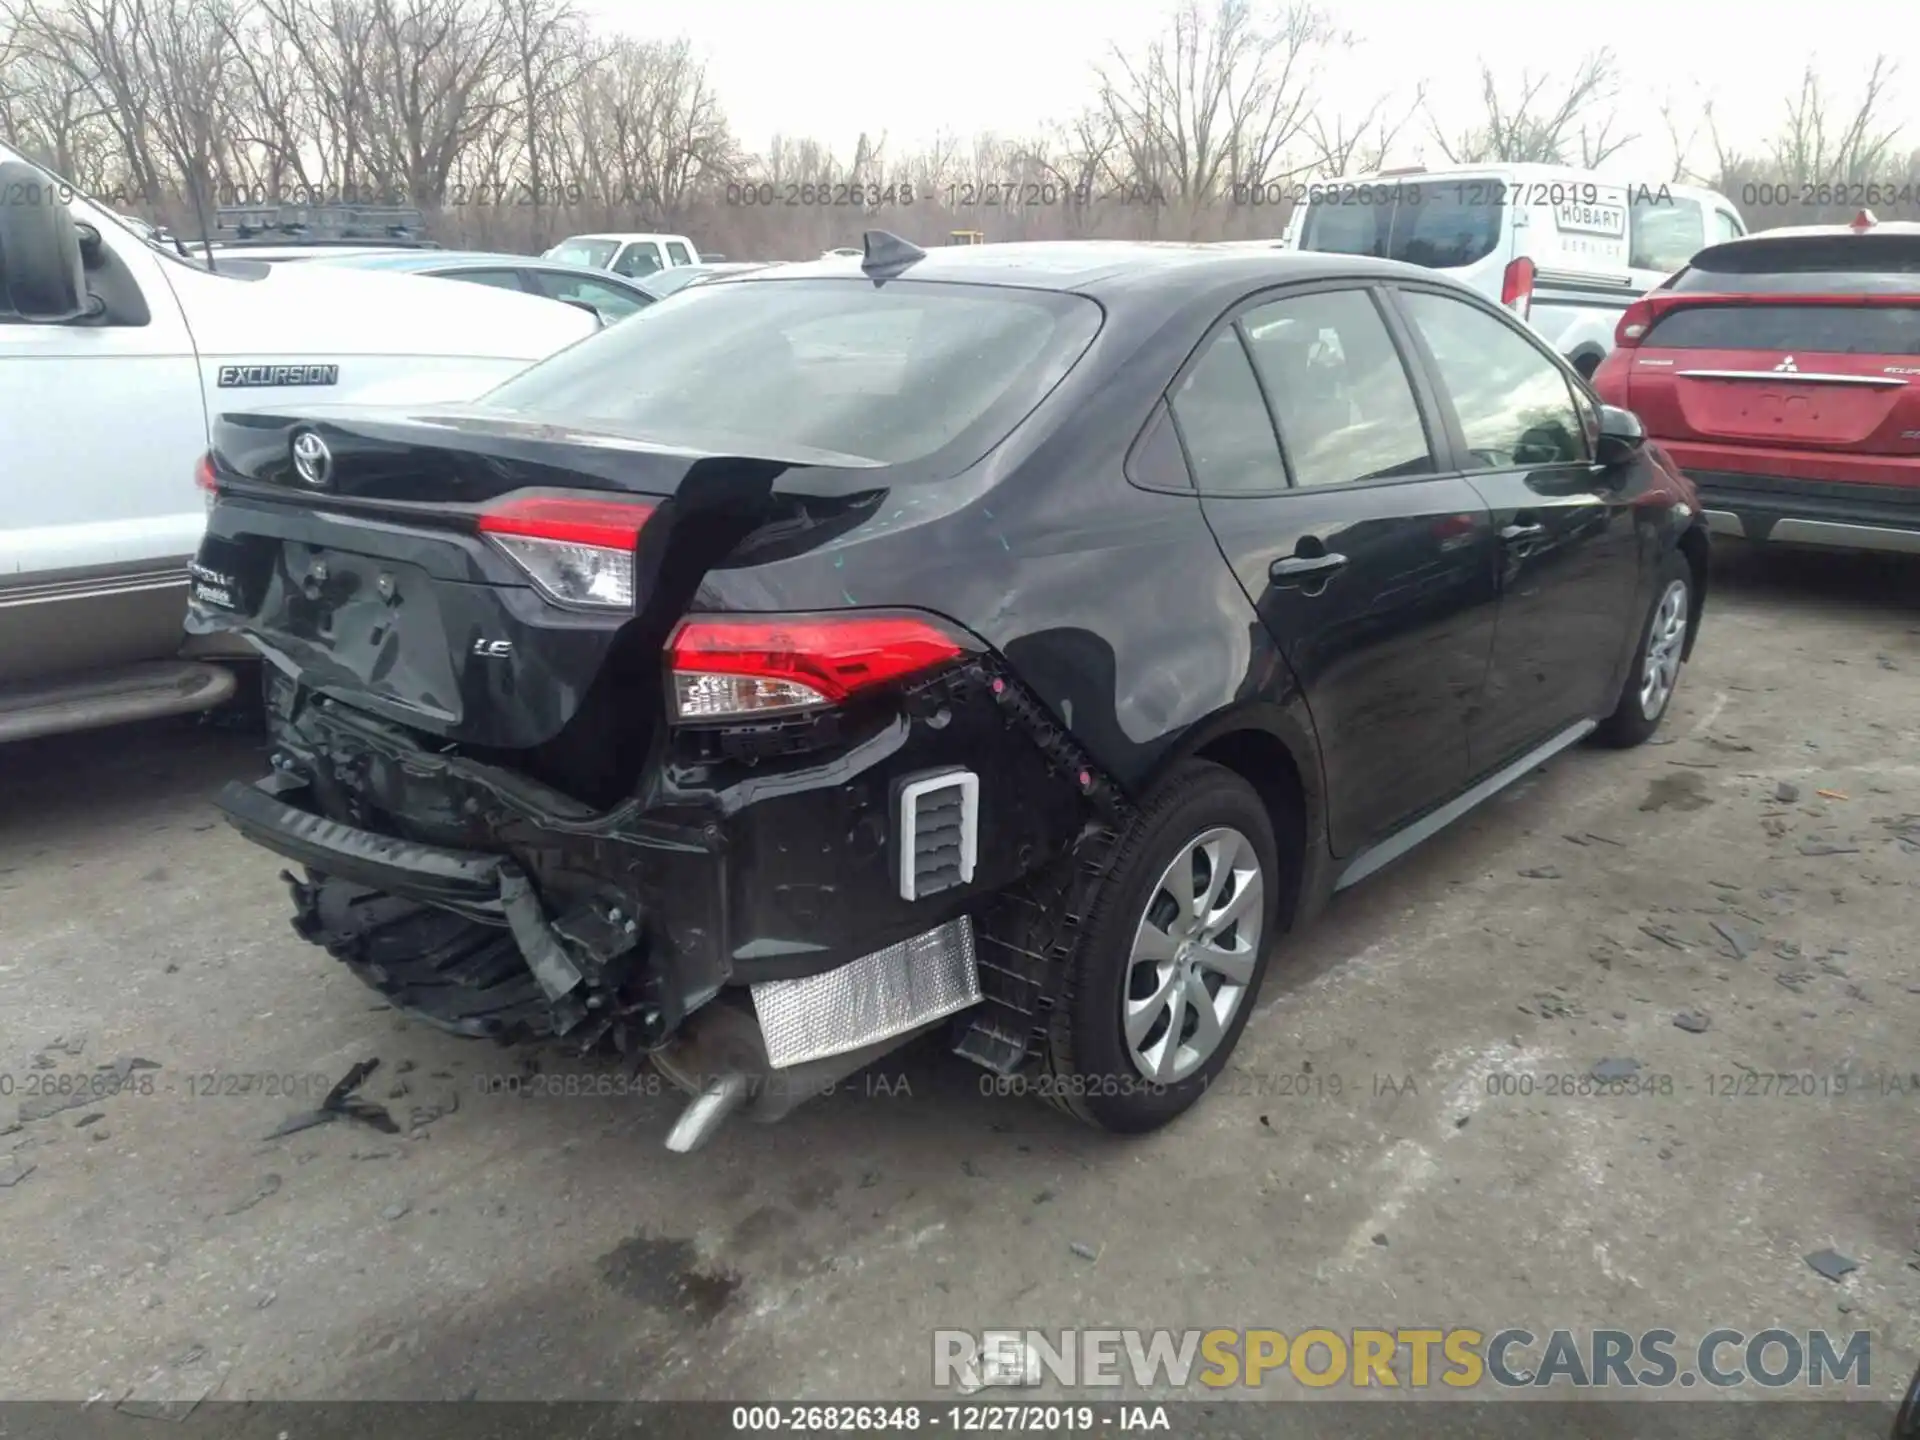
1295, 567
1521, 532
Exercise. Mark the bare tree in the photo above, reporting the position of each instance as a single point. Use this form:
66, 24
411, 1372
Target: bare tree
1361, 146
1544, 120
1218, 102
434, 82
1816, 145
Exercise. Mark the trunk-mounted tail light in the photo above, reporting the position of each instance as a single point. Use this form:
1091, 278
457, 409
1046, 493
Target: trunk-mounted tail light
754, 666
1516, 287
1633, 325
204, 477
577, 550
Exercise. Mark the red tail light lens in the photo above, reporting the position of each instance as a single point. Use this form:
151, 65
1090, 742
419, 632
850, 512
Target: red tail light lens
1633, 325
577, 550
204, 477
1516, 287
724, 669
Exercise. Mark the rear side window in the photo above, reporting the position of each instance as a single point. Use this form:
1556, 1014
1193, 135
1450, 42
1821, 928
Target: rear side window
499, 279
1224, 424
1725, 228
1440, 226
1807, 265
1827, 329
611, 301
1664, 234
1345, 406
1514, 403
762, 368
677, 253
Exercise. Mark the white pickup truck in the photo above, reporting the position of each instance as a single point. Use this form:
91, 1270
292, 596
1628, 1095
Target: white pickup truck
116, 351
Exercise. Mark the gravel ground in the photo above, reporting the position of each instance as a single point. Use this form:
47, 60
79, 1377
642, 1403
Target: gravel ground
1392, 1147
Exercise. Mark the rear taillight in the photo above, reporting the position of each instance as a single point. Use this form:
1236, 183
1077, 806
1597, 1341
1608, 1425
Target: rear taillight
578, 550
725, 669
1633, 325
204, 477
1516, 287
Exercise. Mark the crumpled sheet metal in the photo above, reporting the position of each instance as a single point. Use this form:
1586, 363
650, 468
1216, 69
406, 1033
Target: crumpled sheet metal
867, 1000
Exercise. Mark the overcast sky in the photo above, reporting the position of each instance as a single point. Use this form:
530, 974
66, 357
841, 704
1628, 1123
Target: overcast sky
913, 68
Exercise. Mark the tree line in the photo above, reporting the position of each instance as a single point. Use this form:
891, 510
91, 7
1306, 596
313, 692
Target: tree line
509, 123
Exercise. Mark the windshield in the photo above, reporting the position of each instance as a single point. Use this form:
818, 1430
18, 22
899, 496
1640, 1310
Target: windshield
891, 375
1441, 227
592, 253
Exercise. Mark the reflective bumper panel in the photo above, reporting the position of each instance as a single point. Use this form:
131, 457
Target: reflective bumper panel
887, 993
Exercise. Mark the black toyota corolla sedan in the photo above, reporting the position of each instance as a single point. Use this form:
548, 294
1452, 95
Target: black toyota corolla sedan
1014, 639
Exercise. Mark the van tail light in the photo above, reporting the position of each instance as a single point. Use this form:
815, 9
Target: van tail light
1633, 325
746, 667
204, 477
577, 550
1516, 287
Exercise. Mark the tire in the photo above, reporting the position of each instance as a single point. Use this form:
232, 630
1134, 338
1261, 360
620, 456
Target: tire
1090, 1067
1646, 697
450, 972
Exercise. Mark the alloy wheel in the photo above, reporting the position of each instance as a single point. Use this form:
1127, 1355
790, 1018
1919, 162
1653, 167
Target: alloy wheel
1193, 955
1666, 638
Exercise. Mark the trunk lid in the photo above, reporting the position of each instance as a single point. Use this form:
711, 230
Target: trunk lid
383, 571
1837, 374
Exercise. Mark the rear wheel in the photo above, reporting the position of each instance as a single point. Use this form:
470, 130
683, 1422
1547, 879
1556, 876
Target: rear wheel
443, 969
1171, 958
1655, 671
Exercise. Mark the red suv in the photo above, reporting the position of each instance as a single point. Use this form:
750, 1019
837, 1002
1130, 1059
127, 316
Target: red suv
1782, 372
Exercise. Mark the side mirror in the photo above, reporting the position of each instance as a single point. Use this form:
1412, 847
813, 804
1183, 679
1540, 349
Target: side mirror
42, 275
1621, 435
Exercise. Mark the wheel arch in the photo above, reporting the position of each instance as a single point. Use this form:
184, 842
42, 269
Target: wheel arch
1277, 754
1694, 547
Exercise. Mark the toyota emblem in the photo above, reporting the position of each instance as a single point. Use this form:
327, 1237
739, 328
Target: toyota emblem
312, 461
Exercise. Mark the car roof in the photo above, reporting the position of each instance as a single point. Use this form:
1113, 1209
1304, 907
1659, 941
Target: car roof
625, 235
1808, 232
1100, 268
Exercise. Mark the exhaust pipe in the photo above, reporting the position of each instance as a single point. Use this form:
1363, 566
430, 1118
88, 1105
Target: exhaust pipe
720, 1059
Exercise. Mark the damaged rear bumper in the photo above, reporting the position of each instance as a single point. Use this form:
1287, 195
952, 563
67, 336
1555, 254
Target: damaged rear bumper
778, 875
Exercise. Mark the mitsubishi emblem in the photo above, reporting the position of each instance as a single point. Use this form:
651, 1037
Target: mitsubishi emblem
1788, 365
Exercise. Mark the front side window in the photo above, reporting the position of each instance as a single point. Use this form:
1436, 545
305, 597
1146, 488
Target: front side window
1514, 403
1342, 397
640, 258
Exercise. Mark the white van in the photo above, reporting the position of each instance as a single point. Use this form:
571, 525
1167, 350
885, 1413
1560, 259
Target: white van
1564, 249
626, 254
116, 352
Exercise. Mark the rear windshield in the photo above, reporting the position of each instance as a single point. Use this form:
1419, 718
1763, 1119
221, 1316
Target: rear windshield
1440, 226
891, 374
1829, 329
1807, 265
593, 253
